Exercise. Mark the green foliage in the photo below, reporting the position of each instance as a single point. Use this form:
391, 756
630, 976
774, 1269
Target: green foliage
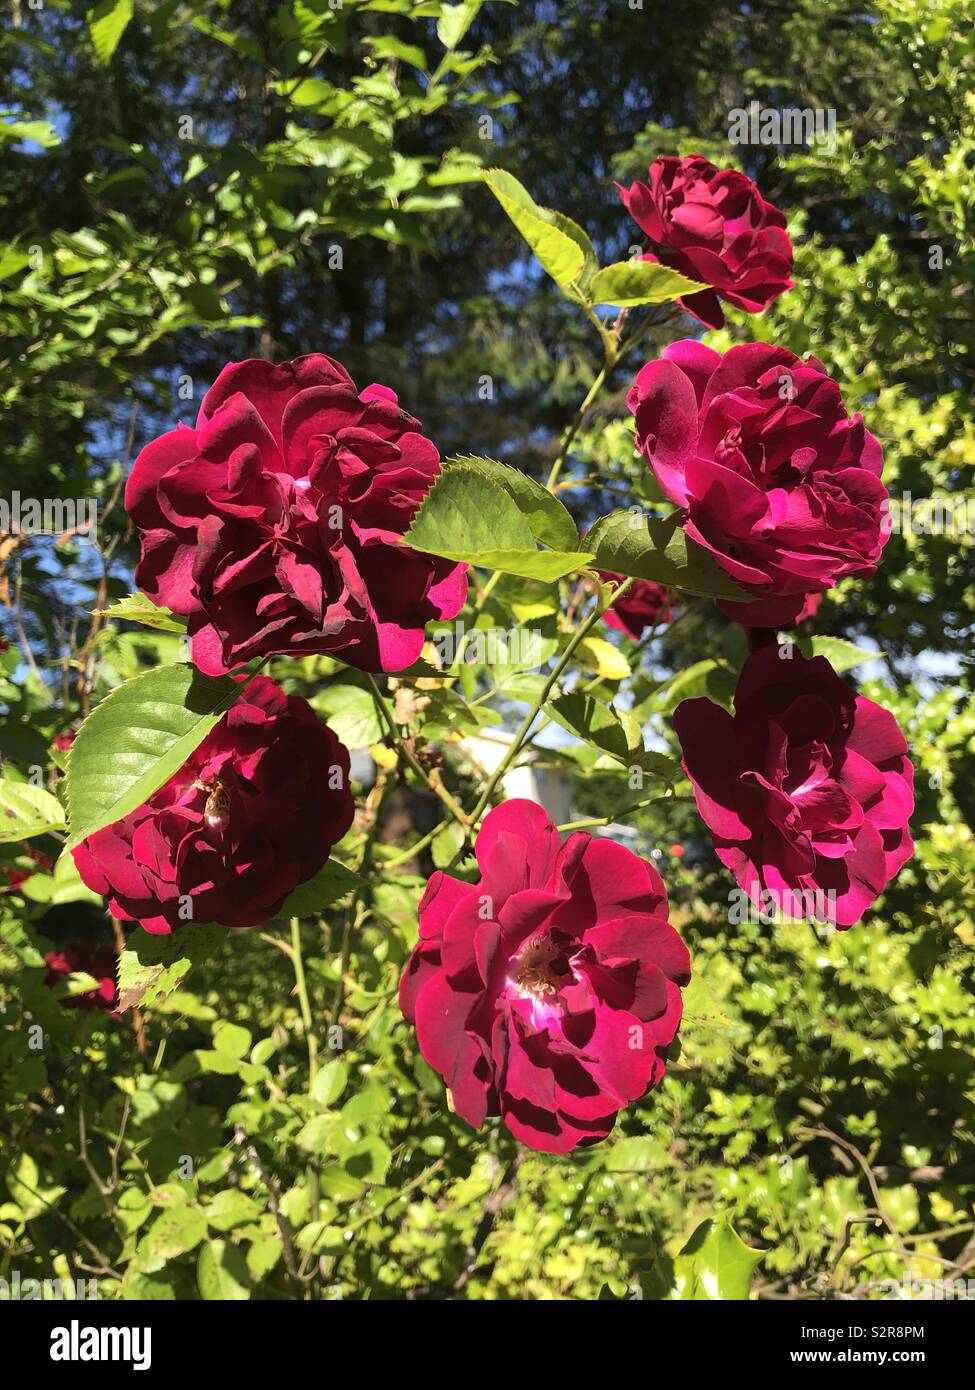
107, 23
559, 251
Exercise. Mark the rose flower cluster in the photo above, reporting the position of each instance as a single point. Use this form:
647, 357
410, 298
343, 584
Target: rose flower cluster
548, 991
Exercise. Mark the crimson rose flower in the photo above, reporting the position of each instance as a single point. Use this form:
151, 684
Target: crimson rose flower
276, 524
85, 957
16, 875
250, 815
643, 605
776, 480
714, 226
809, 609
807, 789
548, 992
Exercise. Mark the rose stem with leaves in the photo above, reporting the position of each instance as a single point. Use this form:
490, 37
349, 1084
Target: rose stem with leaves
578, 636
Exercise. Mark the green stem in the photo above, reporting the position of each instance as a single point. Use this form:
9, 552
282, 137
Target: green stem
483, 597
414, 849
618, 815
311, 1176
610, 339
578, 636
303, 1001
576, 424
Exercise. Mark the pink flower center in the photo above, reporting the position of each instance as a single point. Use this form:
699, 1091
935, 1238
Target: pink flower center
540, 970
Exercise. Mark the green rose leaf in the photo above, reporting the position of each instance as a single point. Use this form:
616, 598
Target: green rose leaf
26, 810
331, 882
550, 521
136, 739
231, 1207
560, 246
657, 548
454, 22
350, 712
136, 608
107, 23
715, 1265
841, 654
473, 518
617, 734
154, 965
638, 1153
176, 1231
330, 1082
630, 283
231, 1038
221, 1272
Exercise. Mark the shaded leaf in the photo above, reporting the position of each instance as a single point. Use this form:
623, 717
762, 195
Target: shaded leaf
222, 1273
331, 882
647, 547
151, 966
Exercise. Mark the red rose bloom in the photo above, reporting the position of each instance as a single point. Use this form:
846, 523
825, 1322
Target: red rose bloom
809, 609
644, 605
776, 480
15, 875
85, 957
548, 992
250, 815
276, 524
807, 790
714, 226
